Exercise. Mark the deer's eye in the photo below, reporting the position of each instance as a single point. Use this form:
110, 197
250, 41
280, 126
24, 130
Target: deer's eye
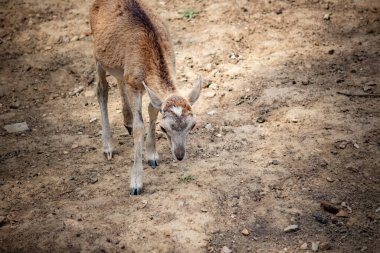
163, 129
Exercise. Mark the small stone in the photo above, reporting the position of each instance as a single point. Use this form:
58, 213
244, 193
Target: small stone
213, 86
48, 48
325, 246
275, 162
329, 207
327, 16
245, 232
211, 113
260, 120
318, 217
314, 246
65, 152
204, 210
75, 38
17, 127
329, 179
93, 178
291, 228
74, 146
225, 249
210, 94
342, 214
93, 120
304, 246
305, 82
78, 90
279, 11
208, 126
356, 146
331, 51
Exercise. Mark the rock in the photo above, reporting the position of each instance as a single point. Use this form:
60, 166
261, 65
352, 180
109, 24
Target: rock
291, 228
320, 218
65, 152
314, 246
210, 94
331, 51
213, 86
75, 38
325, 246
260, 120
211, 113
3, 220
15, 105
225, 249
327, 16
78, 90
208, 126
17, 127
304, 246
305, 82
356, 146
329, 179
245, 232
342, 214
275, 162
377, 210
93, 120
327, 206
279, 11
74, 146
93, 178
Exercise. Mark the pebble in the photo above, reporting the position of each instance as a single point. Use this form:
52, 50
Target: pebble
211, 113
314, 246
225, 249
17, 127
65, 152
291, 228
327, 16
93, 120
356, 145
210, 94
304, 246
329, 207
331, 51
342, 214
208, 126
75, 38
78, 90
329, 179
260, 120
275, 162
245, 232
325, 246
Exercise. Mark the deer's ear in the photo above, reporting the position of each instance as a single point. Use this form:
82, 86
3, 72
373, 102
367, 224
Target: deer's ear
154, 99
196, 92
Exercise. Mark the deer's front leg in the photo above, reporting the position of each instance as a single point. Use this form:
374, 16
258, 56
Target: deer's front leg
152, 155
137, 176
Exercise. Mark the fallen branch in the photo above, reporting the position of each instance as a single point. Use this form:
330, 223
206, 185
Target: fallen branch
359, 95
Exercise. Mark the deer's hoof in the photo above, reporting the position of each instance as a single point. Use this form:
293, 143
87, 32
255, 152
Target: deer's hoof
109, 154
135, 191
153, 163
129, 129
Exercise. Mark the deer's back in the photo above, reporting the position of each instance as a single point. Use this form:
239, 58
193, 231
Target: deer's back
126, 33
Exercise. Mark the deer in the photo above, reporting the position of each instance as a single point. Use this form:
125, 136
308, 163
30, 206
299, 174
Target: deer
132, 44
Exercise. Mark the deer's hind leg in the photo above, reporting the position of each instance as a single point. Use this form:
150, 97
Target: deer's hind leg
102, 94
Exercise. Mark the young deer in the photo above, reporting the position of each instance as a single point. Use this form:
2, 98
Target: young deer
133, 45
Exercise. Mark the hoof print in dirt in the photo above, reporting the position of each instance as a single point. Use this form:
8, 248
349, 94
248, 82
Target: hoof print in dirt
153, 163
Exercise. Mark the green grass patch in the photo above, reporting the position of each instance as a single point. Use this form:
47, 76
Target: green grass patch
186, 178
189, 14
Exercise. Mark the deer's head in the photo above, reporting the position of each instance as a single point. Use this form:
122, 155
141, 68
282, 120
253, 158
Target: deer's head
177, 117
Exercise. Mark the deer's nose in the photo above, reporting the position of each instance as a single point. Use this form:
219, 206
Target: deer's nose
179, 153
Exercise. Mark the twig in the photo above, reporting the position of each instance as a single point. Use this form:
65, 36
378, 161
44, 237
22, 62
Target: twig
359, 95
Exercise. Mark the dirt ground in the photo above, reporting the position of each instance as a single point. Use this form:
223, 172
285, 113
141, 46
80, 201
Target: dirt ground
274, 138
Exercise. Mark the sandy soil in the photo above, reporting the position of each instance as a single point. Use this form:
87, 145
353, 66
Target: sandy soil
281, 139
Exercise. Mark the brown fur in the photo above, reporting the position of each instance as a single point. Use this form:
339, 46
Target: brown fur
128, 36
179, 102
